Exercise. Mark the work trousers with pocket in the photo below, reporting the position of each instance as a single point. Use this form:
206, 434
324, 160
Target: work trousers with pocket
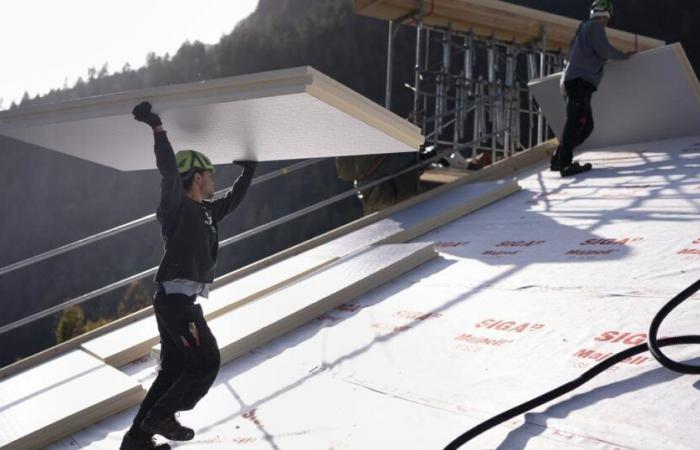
579, 120
189, 358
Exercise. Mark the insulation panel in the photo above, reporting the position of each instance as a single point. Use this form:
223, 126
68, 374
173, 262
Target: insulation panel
288, 114
654, 95
60, 397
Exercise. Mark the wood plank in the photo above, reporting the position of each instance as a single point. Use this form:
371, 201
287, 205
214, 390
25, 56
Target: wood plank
653, 96
522, 161
256, 323
59, 397
442, 176
502, 20
289, 114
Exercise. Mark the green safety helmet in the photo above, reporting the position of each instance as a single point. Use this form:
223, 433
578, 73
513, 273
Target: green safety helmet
188, 160
602, 8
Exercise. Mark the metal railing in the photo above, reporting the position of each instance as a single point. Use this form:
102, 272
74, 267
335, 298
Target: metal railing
138, 222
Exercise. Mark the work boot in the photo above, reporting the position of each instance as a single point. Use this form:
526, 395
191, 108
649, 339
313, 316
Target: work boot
575, 169
554, 164
134, 443
482, 160
168, 427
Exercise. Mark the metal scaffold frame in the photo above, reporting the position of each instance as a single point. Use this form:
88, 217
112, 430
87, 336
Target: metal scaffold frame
470, 92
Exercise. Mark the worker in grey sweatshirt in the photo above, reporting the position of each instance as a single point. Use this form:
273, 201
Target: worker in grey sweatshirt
589, 52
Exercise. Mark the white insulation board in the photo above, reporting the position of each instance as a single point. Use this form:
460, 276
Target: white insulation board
60, 397
526, 295
256, 323
288, 114
133, 341
654, 95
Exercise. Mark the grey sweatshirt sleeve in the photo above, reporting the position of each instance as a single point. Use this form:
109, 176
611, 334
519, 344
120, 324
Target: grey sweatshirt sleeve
171, 190
601, 45
225, 205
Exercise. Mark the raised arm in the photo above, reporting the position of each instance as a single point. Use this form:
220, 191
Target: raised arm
171, 190
601, 45
227, 204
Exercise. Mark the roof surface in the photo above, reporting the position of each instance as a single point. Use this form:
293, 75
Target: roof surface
526, 294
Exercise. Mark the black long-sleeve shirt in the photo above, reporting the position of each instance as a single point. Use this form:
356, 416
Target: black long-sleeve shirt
589, 53
189, 228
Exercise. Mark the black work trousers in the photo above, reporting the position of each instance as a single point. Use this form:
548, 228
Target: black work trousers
579, 120
189, 358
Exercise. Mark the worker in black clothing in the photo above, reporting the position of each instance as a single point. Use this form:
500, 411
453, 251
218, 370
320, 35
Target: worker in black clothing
188, 217
589, 52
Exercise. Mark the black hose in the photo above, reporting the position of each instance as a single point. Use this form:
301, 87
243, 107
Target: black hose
653, 345
654, 329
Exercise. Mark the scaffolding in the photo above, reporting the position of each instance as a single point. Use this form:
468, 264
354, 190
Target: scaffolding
470, 91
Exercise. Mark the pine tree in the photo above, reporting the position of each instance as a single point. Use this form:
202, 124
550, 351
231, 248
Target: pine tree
70, 324
136, 298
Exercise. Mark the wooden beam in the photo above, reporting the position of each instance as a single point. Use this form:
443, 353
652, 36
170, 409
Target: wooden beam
442, 176
504, 21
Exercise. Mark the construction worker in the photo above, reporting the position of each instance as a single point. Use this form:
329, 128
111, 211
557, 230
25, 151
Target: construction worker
188, 217
589, 52
367, 168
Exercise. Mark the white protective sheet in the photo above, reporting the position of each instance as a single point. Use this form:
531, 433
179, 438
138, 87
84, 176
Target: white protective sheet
527, 294
287, 114
655, 95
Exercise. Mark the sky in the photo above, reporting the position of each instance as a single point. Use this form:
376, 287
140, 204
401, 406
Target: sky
46, 43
